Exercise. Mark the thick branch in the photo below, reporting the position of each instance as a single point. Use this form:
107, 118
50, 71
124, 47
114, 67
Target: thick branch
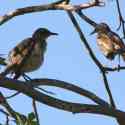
51, 101
57, 83
40, 8
68, 86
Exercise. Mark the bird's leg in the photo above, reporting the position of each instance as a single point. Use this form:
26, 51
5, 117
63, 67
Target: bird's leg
118, 62
17, 75
119, 52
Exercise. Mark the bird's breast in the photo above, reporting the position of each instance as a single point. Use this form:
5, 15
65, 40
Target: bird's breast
105, 44
35, 60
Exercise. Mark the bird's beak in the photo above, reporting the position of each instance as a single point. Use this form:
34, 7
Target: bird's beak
94, 31
51, 33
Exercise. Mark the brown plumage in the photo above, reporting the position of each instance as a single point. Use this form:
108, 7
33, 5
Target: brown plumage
28, 55
109, 42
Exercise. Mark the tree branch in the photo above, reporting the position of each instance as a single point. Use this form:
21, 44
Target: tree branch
121, 19
87, 19
35, 111
52, 6
57, 103
68, 86
10, 110
112, 69
57, 83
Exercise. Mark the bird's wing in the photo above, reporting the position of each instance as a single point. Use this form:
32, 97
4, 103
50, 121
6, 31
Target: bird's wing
18, 52
118, 43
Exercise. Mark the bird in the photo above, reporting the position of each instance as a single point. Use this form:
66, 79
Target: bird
28, 55
109, 42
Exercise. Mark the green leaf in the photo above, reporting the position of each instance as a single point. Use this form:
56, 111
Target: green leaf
2, 61
34, 123
19, 121
31, 116
31, 120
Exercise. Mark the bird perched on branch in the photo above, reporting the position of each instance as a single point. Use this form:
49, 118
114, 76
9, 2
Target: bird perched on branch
109, 42
28, 55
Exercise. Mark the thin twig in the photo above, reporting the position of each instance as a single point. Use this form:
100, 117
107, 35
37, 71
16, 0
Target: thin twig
7, 120
121, 19
6, 115
28, 79
113, 69
108, 89
6, 105
13, 95
36, 112
4, 112
46, 91
87, 19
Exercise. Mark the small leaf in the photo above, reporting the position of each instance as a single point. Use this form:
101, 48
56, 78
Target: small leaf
2, 61
31, 116
19, 121
34, 123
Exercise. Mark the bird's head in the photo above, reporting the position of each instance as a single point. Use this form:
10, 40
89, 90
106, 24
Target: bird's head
101, 28
42, 34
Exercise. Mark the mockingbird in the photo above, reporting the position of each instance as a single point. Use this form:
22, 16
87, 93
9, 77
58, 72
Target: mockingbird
109, 42
28, 55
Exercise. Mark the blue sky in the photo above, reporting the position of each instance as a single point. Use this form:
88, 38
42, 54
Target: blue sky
66, 59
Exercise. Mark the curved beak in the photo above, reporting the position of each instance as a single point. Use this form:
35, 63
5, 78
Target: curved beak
51, 33
94, 31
